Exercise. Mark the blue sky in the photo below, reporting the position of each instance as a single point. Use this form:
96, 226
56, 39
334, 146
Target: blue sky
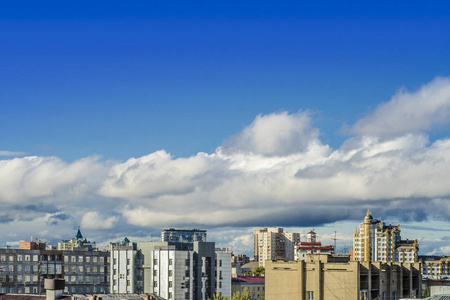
86, 86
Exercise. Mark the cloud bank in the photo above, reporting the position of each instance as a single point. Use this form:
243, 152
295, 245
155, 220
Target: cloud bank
275, 172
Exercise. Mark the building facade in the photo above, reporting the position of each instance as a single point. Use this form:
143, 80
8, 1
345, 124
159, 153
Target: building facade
26, 268
193, 271
375, 241
273, 244
254, 285
77, 243
333, 277
435, 266
223, 271
311, 246
183, 235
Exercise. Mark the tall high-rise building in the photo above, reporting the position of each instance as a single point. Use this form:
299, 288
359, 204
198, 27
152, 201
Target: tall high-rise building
274, 244
183, 235
375, 241
172, 270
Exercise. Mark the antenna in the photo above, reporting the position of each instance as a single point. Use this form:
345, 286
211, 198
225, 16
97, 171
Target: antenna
334, 239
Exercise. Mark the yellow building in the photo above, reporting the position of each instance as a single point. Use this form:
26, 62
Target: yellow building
333, 277
435, 266
274, 243
77, 243
375, 241
255, 286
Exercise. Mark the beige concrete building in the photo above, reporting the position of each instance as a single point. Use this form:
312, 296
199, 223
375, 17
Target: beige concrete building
375, 241
274, 244
332, 277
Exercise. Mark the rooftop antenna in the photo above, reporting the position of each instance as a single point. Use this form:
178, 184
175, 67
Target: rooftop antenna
334, 239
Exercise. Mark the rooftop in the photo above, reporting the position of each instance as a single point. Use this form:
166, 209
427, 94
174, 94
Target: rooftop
249, 279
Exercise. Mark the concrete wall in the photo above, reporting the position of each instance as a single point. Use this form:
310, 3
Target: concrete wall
335, 277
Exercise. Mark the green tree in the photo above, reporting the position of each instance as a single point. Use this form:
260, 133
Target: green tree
258, 271
426, 292
244, 296
262, 297
217, 296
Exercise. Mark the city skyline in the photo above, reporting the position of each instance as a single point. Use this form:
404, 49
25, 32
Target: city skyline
128, 118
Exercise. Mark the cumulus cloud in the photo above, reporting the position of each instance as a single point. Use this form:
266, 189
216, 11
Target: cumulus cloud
275, 172
409, 111
24, 179
93, 220
275, 134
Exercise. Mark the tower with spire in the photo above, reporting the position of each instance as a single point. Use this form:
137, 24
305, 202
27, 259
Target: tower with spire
77, 243
376, 241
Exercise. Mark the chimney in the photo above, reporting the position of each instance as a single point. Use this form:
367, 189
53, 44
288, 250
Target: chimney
54, 288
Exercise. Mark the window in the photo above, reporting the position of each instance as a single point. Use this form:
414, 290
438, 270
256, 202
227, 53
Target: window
11, 258
155, 284
19, 268
94, 259
2, 257
220, 263
80, 258
170, 295
35, 258
19, 257
155, 261
155, 272
74, 259
170, 272
309, 295
170, 284
170, 261
27, 258
128, 261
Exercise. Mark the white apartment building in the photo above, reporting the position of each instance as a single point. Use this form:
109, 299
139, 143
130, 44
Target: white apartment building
375, 241
223, 271
170, 270
126, 268
274, 244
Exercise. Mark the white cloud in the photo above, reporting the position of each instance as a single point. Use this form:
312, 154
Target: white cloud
93, 220
409, 111
276, 172
12, 153
275, 134
23, 179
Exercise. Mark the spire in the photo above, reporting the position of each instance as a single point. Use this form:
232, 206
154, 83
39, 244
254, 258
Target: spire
79, 236
368, 216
